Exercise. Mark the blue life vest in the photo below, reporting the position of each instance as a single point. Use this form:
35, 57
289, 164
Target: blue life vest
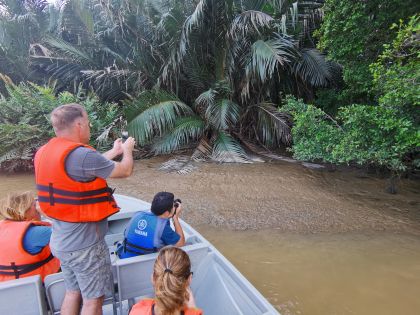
143, 235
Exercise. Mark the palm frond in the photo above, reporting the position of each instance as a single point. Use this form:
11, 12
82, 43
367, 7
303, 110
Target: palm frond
313, 68
205, 99
186, 129
267, 55
203, 151
227, 149
223, 114
259, 150
152, 113
249, 22
273, 127
68, 50
181, 164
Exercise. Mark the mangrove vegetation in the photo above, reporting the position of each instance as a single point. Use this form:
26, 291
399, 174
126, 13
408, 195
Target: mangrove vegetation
334, 81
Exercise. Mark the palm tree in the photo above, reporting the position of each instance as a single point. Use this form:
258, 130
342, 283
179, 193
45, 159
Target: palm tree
231, 61
22, 23
209, 73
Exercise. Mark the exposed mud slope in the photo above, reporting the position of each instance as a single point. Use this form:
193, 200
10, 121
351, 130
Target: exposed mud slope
280, 195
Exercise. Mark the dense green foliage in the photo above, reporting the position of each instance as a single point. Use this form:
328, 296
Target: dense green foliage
22, 25
353, 33
387, 134
216, 69
210, 75
397, 71
364, 134
25, 126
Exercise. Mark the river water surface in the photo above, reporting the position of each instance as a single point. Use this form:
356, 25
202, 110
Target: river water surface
312, 242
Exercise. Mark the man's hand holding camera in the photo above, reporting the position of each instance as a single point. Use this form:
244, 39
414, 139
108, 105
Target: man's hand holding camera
177, 225
178, 208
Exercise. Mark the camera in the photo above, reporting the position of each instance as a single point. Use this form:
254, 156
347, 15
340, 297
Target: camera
124, 136
177, 202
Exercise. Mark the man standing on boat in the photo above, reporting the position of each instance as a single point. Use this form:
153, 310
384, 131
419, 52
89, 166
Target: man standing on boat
73, 192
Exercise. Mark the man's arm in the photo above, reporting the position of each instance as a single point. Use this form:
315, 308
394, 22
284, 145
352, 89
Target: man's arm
115, 151
125, 167
178, 227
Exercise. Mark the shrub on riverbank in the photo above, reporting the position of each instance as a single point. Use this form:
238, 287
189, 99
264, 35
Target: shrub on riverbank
24, 120
384, 135
362, 134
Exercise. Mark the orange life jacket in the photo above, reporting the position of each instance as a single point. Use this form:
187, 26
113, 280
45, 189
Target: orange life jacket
15, 261
63, 198
146, 307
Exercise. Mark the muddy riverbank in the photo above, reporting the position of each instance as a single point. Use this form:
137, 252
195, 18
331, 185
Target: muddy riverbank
282, 196
278, 195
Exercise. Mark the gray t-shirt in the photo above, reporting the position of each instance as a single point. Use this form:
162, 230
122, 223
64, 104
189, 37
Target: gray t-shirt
83, 165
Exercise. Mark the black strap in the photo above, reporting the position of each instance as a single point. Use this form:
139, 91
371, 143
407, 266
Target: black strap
51, 193
67, 201
19, 270
147, 250
69, 193
15, 270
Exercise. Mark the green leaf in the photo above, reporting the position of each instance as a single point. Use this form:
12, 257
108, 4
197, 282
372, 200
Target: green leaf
227, 149
152, 114
186, 129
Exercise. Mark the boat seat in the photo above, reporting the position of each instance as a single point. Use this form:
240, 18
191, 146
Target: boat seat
112, 239
133, 274
55, 290
23, 296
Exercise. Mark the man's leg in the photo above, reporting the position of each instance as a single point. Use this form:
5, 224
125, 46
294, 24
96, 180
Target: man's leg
71, 303
94, 277
92, 306
73, 297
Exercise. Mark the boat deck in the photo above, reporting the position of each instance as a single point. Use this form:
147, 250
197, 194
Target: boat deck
218, 287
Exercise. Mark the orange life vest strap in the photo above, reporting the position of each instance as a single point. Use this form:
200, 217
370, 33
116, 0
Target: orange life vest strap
19, 270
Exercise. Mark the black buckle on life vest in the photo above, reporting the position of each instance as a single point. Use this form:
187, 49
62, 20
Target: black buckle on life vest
111, 195
15, 270
51, 193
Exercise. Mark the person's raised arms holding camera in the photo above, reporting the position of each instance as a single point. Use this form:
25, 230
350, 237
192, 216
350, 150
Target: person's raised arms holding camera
177, 225
147, 232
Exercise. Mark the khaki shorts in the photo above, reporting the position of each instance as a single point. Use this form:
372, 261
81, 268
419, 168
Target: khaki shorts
87, 270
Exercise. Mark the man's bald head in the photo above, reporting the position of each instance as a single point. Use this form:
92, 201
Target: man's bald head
63, 117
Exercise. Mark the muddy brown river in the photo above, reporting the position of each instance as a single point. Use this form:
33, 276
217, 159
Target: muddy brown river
312, 241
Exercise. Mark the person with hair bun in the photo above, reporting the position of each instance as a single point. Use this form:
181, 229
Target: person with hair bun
171, 280
24, 239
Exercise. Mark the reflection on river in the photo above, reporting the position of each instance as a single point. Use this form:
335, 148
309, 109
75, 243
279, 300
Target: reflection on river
341, 273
